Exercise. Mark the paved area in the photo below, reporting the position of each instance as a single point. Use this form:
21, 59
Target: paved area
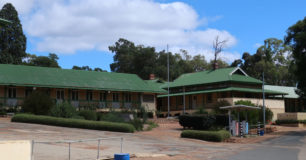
289, 146
159, 142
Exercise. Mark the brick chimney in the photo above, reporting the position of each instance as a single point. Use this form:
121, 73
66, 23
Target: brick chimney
152, 76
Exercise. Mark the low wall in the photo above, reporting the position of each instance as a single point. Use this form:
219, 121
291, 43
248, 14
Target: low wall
291, 116
15, 150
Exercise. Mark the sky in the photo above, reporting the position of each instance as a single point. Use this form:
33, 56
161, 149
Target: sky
80, 31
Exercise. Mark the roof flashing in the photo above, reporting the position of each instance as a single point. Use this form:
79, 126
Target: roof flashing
238, 69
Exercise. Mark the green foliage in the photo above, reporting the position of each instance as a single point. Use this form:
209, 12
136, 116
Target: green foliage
253, 116
221, 103
42, 61
12, 39
198, 122
111, 117
274, 58
88, 114
87, 68
137, 123
151, 125
38, 103
141, 60
279, 122
65, 110
214, 136
296, 38
74, 123
200, 110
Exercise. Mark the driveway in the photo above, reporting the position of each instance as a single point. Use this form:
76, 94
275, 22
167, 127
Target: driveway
291, 146
161, 141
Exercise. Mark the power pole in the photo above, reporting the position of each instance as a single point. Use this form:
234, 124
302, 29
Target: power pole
263, 100
168, 81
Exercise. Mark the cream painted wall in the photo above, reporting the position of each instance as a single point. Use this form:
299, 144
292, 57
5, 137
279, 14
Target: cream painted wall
15, 150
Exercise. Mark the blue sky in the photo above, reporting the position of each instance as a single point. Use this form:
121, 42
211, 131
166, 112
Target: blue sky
80, 31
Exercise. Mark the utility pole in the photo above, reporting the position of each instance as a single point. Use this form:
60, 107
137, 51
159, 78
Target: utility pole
168, 81
263, 101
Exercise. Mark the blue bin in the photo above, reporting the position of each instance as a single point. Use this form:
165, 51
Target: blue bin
122, 156
262, 132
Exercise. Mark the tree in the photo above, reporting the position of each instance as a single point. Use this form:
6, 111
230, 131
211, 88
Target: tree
218, 47
274, 58
42, 61
296, 38
87, 68
12, 39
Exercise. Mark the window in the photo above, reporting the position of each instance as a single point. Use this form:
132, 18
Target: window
128, 97
102, 96
28, 91
116, 97
12, 92
89, 96
60, 94
209, 98
74, 95
148, 98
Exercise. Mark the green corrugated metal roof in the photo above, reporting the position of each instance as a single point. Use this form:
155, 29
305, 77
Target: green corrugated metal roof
155, 83
20, 75
213, 76
225, 90
289, 90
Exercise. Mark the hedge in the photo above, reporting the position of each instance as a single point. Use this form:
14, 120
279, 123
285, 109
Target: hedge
214, 136
278, 122
198, 122
74, 123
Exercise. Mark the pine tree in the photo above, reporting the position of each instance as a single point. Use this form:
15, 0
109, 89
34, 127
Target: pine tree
12, 39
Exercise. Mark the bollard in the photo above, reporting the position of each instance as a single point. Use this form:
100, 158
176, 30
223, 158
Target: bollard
258, 129
98, 154
241, 130
121, 144
69, 149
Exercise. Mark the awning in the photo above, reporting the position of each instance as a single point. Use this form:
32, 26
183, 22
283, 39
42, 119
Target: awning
250, 90
239, 107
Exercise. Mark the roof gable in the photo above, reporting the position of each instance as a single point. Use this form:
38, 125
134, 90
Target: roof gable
235, 74
67, 78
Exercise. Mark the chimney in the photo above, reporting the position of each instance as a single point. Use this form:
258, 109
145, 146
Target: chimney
215, 65
152, 76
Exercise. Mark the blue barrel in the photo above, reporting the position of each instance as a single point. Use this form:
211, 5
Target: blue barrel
122, 156
262, 132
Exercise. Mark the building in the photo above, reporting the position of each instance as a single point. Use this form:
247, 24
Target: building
292, 101
101, 90
203, 89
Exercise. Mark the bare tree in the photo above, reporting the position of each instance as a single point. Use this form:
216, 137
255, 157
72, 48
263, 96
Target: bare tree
218, 47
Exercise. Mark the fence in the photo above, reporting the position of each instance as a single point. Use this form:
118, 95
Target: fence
70, 142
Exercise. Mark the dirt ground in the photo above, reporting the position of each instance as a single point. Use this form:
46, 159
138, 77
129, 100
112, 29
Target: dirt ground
162, 143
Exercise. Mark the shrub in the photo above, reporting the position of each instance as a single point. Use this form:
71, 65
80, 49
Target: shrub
38, 103
219, 104
111, 117
73, 123
137, 123
65, 110
88, 114
198, 122
215, 136
200, 110
278, 122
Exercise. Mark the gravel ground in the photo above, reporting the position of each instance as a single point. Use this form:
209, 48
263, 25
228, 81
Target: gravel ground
162, 143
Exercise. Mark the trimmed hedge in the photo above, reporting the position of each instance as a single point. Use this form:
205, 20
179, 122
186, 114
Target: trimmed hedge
74, 123
214, 136
278, 122
198, 122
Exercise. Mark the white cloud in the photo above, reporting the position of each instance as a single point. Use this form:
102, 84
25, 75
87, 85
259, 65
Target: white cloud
67, 26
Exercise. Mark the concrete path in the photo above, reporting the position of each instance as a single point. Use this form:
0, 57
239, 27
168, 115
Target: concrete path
291, 146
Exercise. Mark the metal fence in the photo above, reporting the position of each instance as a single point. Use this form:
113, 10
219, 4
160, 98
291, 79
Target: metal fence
71, 142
